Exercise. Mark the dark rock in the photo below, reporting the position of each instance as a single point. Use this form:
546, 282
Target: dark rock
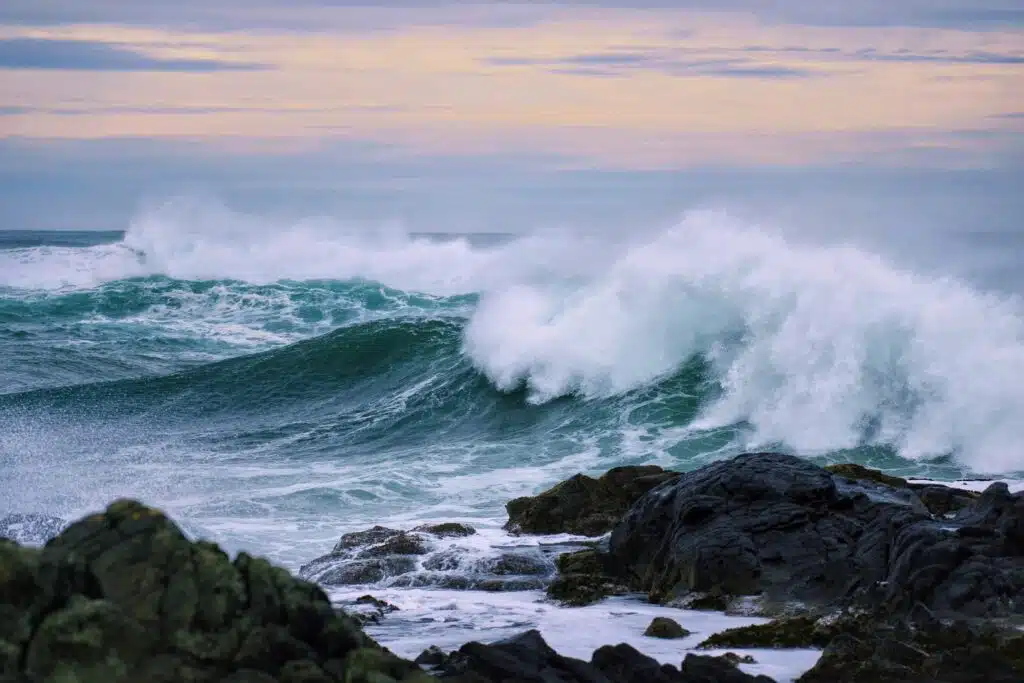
888, 652
30, 529
432, 658
736, 659
583, 505
580, 590
449, 559
705, 669
382, 605
397, 544
518, 564
581, 562
861, 473
781, 633
446, 530
365, 557
357, 539
791, 533
367, 609
524, 658
663, 627
624, 664
124, 596
712, 601
505, 585
333, 570
943, 501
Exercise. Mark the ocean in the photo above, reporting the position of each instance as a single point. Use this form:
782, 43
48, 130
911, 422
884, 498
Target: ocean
272, 389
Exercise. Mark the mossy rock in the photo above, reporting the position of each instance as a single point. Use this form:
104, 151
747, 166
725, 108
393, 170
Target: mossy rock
663, 627
796, 632
861, 473
581, 562
124, 596
580, 590
583, 505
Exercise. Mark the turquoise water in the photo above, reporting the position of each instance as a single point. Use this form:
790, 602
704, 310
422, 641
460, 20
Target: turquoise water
273, 389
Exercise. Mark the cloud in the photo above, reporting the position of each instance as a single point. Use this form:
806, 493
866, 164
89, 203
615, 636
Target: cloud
185, 111
357, 14
81, 55
615, 64
940, 57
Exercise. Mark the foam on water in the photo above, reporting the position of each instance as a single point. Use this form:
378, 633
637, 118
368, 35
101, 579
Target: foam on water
815, 348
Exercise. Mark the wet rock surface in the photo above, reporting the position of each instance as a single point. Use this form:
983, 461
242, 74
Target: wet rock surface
420, 558
789, 532
663, 627
124, 596
583, 579
583, 505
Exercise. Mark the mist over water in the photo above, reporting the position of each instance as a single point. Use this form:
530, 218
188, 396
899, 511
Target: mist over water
262, 380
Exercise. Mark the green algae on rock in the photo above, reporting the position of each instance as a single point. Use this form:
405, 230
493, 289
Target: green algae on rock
125, 596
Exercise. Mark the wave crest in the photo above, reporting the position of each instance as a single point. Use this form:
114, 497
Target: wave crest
817, 348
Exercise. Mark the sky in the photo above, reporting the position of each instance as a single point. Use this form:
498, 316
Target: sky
498, 116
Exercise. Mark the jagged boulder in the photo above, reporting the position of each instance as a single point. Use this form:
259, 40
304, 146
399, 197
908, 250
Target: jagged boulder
785, 530
583, 505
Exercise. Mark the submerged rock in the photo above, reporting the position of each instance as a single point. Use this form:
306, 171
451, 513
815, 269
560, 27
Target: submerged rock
123, 596
419, 558
785, 530
367, 609
583, 505
447, 530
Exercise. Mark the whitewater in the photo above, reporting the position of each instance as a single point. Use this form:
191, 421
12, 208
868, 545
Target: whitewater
273, 386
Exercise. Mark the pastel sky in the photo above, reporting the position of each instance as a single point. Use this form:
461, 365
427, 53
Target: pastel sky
328, 103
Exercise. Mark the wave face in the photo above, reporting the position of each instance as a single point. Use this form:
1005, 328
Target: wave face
254, 378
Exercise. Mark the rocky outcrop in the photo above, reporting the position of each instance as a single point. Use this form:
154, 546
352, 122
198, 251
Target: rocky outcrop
419, 558
526, 658
124, 596
583, 505
793, 534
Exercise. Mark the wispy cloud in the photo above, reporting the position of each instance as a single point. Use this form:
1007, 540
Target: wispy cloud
343, 14
82, 55
940, 57
613, 64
